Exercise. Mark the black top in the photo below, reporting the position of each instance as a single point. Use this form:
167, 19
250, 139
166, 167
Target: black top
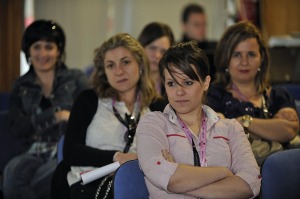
223, 102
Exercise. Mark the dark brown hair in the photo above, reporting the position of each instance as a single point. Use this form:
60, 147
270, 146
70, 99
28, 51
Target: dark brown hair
231, 38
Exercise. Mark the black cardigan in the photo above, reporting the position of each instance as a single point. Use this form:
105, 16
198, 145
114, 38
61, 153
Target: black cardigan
76, 152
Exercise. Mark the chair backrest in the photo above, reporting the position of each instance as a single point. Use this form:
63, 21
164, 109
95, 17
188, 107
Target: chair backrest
60, 148
129, 182
10, 146
280, 175
4, 101
292, 88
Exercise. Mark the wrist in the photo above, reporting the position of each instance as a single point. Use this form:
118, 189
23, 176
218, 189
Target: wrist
115, 156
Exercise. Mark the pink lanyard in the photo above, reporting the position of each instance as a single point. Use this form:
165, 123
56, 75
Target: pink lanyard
202, 138
237, 90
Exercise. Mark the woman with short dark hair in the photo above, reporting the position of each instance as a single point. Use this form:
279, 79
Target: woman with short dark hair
188, 151
40, 106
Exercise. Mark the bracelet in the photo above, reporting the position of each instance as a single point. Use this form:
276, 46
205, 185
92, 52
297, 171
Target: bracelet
246, 121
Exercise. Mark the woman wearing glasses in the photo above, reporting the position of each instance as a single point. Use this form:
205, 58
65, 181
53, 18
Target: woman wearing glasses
103, 120
188, 151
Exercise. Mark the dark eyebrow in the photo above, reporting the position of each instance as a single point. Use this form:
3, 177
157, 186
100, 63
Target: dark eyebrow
125, 58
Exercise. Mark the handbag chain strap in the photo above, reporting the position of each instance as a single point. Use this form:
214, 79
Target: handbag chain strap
100, 186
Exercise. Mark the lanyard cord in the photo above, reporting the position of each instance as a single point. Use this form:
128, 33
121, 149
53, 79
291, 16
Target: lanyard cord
238, 91
196, 155
264, 105
130, 124
188, 133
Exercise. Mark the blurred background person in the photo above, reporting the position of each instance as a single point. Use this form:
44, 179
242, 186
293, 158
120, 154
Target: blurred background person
40, 106
156, 38
194, 26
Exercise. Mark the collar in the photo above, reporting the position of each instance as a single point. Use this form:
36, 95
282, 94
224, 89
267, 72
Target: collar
30, 76
212, 116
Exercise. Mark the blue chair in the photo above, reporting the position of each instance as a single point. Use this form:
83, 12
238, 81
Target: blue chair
10, 146
129, 182
280, 175
292, 88
4, 101
60, 146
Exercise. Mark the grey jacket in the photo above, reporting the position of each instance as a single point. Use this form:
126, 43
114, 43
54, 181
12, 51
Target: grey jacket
27, 120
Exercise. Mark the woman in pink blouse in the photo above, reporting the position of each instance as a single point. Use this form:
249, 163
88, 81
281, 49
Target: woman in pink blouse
188, 151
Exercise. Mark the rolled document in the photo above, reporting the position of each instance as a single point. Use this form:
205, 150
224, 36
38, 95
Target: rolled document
95, 174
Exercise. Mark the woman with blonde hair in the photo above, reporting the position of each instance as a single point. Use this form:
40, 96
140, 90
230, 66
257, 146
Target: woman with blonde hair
103, 120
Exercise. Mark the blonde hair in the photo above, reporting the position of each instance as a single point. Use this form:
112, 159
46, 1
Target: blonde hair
145, 85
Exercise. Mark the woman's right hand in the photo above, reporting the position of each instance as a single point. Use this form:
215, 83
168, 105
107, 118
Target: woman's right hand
62, 115
124, 157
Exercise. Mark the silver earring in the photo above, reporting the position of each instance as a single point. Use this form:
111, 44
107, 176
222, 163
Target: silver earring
258, 69
226, 70
29, 61
141, 71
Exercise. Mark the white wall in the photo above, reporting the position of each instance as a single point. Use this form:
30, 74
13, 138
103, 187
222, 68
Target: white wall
87, 23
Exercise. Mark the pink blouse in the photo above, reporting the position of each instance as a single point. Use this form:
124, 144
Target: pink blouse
227, 146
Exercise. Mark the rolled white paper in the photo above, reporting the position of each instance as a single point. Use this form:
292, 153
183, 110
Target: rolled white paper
95, 174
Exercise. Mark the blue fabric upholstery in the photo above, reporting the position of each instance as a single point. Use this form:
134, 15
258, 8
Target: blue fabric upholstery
293, 89
4, 101
280, 175
60, 148
9, 145
129, 182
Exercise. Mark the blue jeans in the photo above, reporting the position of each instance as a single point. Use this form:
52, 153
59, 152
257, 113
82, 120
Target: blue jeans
28, 177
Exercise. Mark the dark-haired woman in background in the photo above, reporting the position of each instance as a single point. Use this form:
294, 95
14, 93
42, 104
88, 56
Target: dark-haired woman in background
40, 106
156, 38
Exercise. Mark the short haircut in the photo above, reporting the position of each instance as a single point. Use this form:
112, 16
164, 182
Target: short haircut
190, 9
44, 30
182, 56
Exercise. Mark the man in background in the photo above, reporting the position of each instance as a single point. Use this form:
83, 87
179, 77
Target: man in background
194, 24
